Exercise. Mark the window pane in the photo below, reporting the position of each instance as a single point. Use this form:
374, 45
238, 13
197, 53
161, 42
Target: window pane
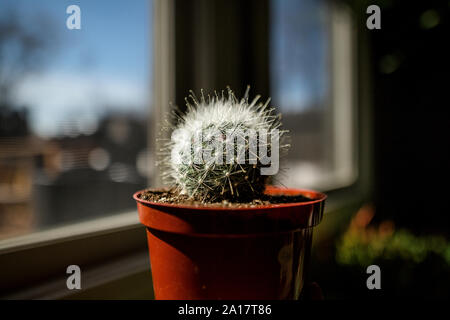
74, 107
300, 87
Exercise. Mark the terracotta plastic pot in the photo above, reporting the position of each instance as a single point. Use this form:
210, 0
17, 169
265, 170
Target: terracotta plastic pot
231, 253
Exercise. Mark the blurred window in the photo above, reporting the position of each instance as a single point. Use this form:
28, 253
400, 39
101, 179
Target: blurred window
311, 81
74, 106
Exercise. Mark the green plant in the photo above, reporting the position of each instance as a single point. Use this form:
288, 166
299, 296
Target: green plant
364, 244
221, 146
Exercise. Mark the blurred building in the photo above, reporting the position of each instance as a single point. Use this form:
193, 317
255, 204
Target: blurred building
97, 173
71, 177
18, 154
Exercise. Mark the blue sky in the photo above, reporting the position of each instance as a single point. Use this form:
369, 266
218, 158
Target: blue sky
114, 37
105, 66
298, 53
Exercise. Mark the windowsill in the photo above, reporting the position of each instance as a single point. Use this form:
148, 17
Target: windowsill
112, 254
116, 275
33, 262
71, 232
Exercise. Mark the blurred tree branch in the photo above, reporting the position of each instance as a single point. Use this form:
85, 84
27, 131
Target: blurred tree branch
25, 44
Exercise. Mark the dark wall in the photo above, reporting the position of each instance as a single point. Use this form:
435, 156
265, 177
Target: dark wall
221, 43
410, 66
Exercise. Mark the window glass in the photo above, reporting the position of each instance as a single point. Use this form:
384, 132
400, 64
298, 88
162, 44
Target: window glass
300, 76
74, 107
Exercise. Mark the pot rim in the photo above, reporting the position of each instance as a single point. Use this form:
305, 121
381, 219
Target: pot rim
318, 197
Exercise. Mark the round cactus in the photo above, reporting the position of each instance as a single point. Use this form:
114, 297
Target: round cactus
220, 146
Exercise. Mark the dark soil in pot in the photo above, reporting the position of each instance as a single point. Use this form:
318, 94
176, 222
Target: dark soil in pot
171, 196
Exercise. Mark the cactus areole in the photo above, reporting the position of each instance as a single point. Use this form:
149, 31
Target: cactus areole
221, 232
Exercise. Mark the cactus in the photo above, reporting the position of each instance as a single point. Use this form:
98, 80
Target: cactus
209, 127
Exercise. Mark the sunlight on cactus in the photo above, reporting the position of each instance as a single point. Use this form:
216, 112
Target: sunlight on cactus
220, 145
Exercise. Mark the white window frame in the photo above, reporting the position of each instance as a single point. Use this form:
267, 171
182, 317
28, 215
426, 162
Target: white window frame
343, 97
